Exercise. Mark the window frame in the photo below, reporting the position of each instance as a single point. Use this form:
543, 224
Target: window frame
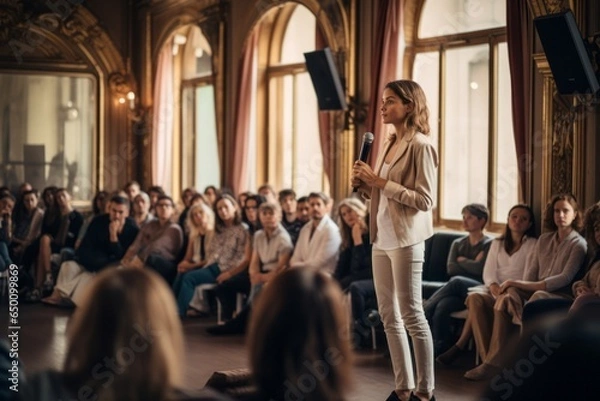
440, 44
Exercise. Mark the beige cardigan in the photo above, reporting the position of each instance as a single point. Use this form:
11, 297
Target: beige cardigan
411, 186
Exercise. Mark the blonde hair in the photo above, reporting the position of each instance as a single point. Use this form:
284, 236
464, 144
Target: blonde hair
346, 231
410, 92
210, 219
298, 329
125, 340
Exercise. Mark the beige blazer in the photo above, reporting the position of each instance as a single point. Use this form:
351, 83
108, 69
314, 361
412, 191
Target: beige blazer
411, 186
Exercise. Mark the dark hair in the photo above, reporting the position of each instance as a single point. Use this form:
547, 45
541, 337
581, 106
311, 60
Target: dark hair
478, 210
237, 219
120, 200
99, 195
302, 199
197, 196
591, 219
156, 188
531, 231
215, 190
131, 183
549, 212
320, 195
285, 193
167, 197
7, 195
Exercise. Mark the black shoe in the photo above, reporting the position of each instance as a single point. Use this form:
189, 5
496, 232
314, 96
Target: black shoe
394, 397
413, 397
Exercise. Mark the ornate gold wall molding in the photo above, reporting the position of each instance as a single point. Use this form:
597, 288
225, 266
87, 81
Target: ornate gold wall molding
543, 7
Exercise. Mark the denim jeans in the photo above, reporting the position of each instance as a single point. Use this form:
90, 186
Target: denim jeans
397, 276
448, 299
5, 260
185, 284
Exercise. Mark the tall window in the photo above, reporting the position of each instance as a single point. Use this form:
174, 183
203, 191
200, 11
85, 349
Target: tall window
461, 60
199, 146
48, 130
295, 156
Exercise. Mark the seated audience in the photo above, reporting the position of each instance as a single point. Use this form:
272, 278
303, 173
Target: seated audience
229, 252
7, 203
132, 188
506, 260
201, 225
297, 335
154, 192
465, 266
104, 244
186, 199
354, 262
587, 290
319, 241
124, 343
99, 206
290, 220
68, 223
272, 248
211, 193
557, 257
227, 291
268, 193
158, 243
27, 224
141, 209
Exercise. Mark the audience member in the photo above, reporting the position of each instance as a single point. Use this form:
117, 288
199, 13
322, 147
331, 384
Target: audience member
124, 343
297, 335
99, 206
201, 224
211, 193
290, 220
267, 192
227, 291
7, 203
141, 209
465, 266
104, 244
158, 243
506, 260
229, 252
132, 188
27, 225
272, 248
319, 240
186, 198
69, 223
154, 192
355, 252
557, 257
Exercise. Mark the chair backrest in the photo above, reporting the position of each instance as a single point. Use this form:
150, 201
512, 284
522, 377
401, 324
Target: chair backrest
437, 249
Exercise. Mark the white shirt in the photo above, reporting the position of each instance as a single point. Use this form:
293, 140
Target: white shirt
500, 266
386, 235
320, 252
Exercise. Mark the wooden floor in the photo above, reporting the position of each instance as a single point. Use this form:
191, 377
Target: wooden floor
42, 346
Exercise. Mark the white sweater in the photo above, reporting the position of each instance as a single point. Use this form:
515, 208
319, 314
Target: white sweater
500, 266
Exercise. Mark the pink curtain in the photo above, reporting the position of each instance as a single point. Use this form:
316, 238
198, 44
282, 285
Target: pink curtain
237, 174
324, 117
519, 40
384, 58
162, 120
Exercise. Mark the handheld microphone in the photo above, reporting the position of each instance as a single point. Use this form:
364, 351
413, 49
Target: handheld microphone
365, 149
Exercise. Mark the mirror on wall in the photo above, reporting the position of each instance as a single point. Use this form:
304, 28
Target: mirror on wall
48, 126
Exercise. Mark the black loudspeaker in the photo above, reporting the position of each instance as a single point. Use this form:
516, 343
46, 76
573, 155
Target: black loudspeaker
326, 80
566, 53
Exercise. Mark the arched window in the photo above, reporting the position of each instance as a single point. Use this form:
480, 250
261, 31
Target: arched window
294, 152
199, 150
461, 60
